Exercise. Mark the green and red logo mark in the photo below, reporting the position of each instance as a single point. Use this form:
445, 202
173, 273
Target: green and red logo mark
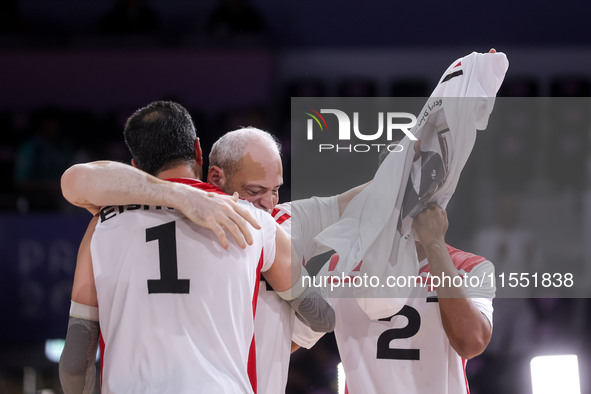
316, 116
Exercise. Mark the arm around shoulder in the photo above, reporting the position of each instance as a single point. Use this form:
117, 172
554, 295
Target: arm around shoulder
101, 183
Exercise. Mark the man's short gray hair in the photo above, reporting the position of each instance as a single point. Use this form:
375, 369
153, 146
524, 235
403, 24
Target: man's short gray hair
227, 151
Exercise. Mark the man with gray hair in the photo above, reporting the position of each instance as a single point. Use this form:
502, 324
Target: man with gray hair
248, 161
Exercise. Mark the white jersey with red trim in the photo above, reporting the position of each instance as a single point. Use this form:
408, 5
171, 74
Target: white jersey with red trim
274, 318
176, 310
408, 352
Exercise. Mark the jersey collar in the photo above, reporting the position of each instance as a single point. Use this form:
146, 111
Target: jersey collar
198, 184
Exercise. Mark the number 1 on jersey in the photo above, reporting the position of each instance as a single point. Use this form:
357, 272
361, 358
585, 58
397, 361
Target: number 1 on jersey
169, 281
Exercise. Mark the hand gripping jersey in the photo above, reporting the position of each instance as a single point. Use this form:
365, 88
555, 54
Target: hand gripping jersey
274, 319
409, 352
176, 310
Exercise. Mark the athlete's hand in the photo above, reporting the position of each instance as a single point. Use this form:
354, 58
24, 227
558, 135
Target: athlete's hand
431, 225
218, 212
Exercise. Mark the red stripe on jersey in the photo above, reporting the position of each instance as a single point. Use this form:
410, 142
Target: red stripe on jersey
459, 64
102, 349
425, 269
358, 268
464, 260
198, 184
465, 377
252, 354
252, 365
282, 218
255, 296
334, 259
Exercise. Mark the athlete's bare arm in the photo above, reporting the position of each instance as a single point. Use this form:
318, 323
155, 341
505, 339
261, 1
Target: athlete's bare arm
310, 304
280, 274
102, 183
77, 369
466, 327
83, 289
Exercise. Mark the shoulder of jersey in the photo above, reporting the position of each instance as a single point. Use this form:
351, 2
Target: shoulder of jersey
198, 184
464, 260
282, 212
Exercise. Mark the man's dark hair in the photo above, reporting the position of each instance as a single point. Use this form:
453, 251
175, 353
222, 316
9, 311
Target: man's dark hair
160, 136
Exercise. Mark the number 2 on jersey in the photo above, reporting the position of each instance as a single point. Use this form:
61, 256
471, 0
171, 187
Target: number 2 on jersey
169, 281
384, 351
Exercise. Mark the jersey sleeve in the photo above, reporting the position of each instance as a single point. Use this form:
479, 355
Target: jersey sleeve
304, 336
483, 294
309, 218
486, 307
312, 215
282, 215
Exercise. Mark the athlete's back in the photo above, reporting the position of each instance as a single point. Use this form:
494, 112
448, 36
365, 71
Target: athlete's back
175, 308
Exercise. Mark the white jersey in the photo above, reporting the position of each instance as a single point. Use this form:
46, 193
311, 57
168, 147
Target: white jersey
176, 310
274, 318
409, 352
376, 226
